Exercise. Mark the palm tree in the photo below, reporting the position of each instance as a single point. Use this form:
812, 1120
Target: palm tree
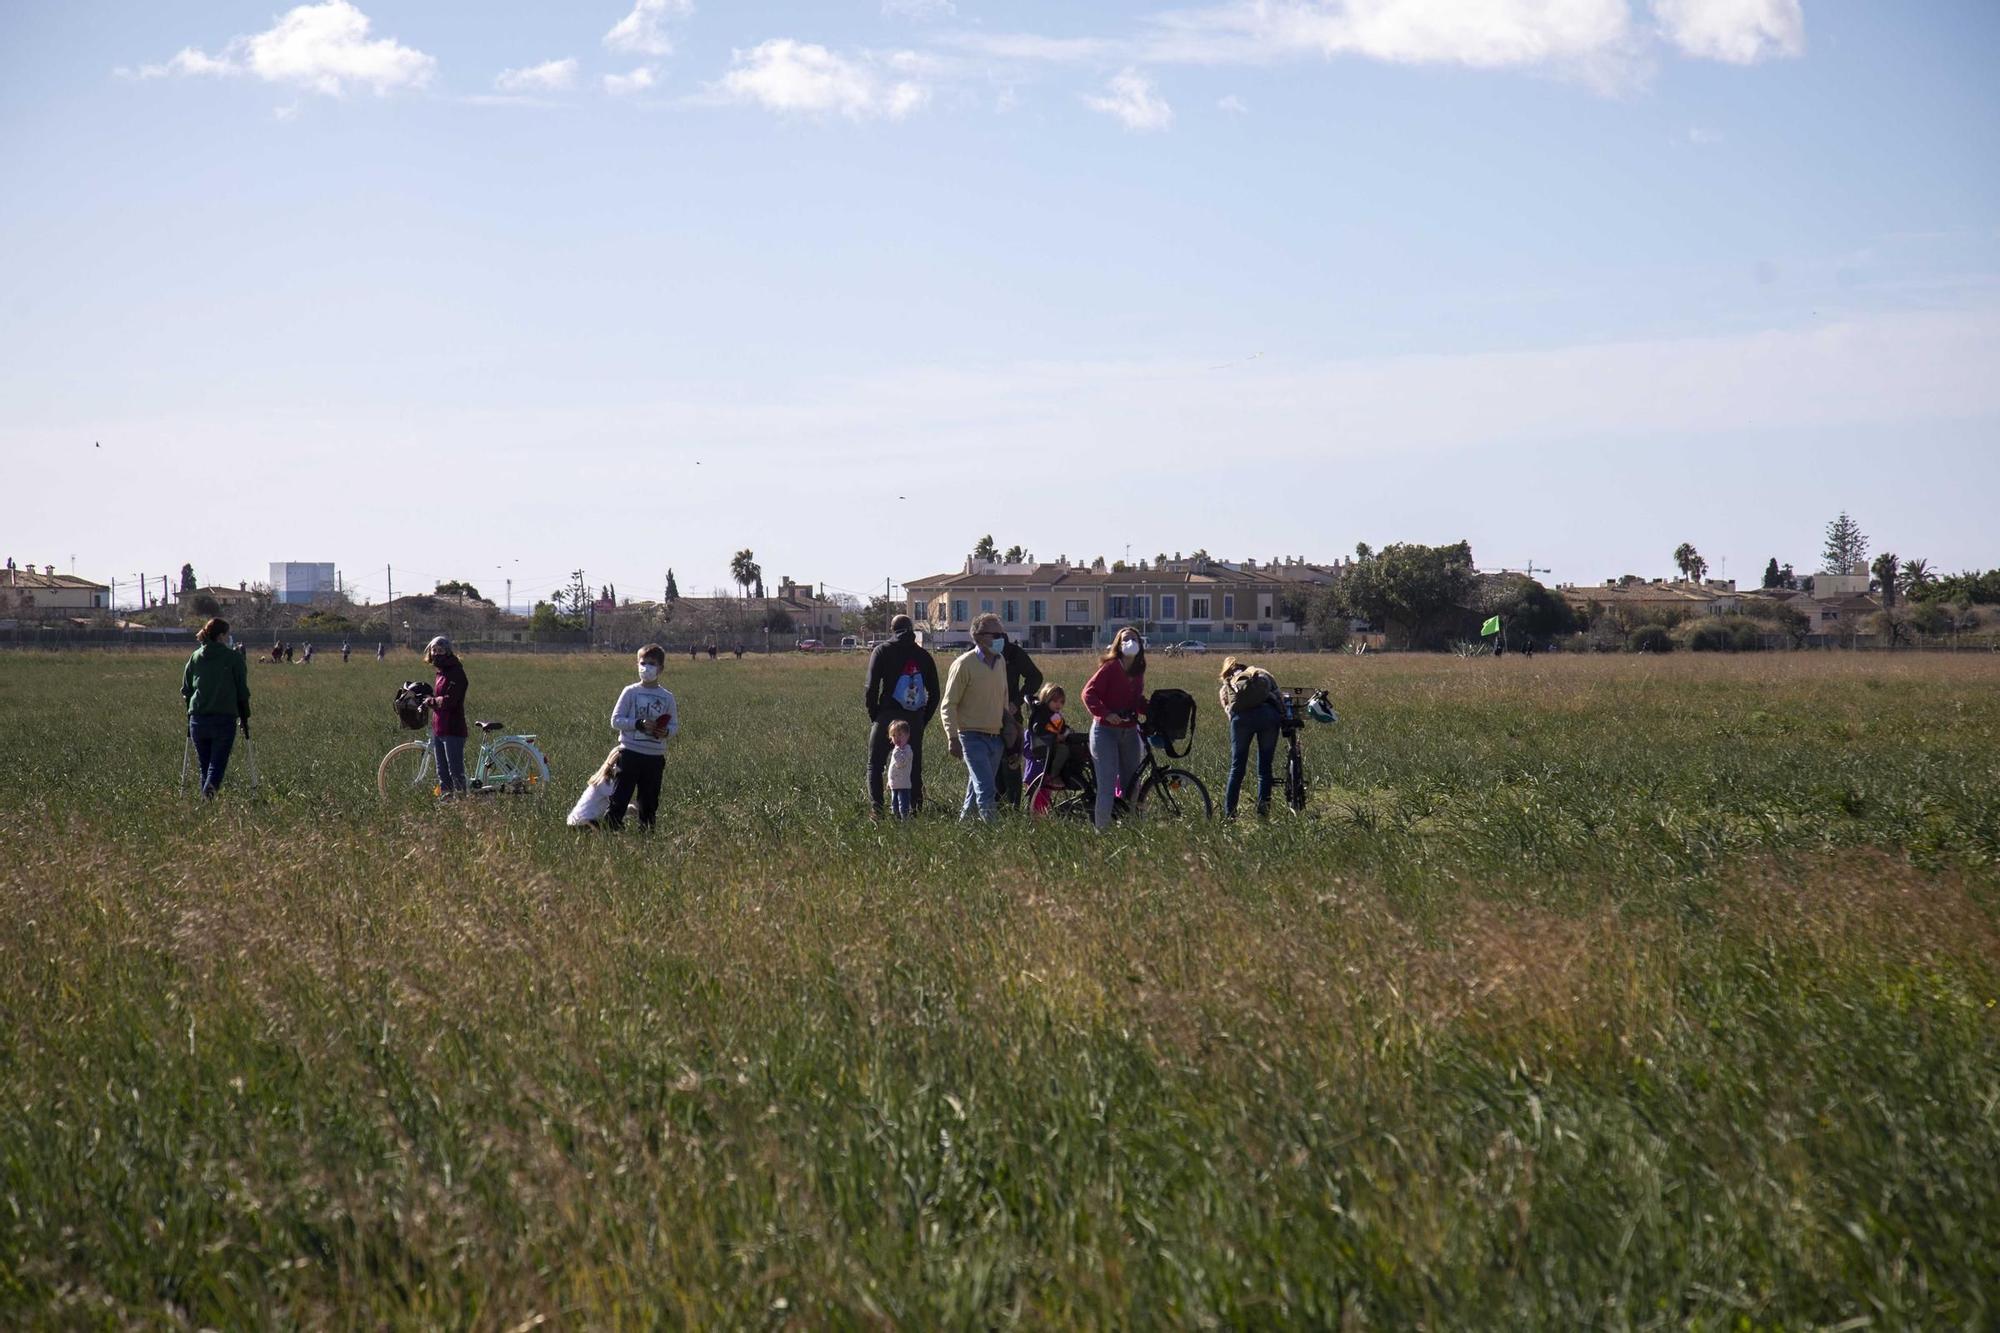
743, 568
1884, 569
1684, 558
1916, 577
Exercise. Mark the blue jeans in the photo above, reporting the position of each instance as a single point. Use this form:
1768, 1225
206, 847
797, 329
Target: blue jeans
450, 754
1259, 724
902, 802
214, 735
982, 774
1115, 754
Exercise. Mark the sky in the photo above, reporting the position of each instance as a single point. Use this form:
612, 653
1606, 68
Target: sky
498, 291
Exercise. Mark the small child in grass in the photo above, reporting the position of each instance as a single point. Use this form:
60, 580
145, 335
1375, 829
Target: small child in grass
595, 802
902, 767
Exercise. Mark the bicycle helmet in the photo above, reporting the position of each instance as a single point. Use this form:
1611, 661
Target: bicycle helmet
1319, 710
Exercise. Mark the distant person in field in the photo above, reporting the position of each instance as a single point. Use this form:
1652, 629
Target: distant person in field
1024, 682
902, 766
592, 806
277, 652
645, 717
288, 652
739, 652
975, 711
902, 686
1249, 696
216, 685
381, 651
447, 709
1115, 698
711, 651
693, 650
309, 655
345, 649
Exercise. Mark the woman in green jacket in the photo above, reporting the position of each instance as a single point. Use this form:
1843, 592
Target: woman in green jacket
216, 685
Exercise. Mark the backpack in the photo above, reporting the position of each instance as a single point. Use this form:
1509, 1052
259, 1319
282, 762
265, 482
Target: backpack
409, 703
1253, 687
1170, 718
909, 692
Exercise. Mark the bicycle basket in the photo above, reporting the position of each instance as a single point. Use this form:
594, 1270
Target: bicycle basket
409, 704
1170, 721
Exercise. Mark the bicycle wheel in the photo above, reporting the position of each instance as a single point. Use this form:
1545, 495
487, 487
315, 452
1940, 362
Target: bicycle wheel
514, 768
1175, 793
1295, 779
407, 773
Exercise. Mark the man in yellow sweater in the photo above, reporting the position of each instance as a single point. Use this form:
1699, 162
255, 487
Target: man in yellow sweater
975, 704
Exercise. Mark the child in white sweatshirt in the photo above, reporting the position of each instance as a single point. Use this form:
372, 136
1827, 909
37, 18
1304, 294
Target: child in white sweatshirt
644, 718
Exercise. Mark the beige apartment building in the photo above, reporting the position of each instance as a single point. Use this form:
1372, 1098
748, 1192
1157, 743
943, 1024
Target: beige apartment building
24, 590
1062, 605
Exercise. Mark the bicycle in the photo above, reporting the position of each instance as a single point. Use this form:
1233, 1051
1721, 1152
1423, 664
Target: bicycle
1163, 792
1291, 722
507, 766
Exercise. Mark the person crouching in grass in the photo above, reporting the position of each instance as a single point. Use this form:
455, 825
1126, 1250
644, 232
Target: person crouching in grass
644, 718
589, 810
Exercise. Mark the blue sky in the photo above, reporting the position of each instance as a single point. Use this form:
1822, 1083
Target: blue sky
481, 290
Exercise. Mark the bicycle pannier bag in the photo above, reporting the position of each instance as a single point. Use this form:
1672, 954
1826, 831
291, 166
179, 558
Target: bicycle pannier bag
409, 703
1170, 716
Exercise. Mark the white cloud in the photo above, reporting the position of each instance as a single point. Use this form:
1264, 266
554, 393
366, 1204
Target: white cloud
1741, 32
919, 9
1130, 98
1484, 34
551, 76
324, 47
1233, 104
1701, 138
644, 30
621, 85
791, 76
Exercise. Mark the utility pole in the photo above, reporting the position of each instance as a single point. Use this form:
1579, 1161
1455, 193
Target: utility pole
390, 575
142, 590
114, 594
510, 597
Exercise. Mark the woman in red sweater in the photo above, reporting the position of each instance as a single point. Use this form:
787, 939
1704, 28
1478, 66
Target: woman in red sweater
1116, 699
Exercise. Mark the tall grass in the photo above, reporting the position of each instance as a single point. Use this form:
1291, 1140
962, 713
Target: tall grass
1603, 992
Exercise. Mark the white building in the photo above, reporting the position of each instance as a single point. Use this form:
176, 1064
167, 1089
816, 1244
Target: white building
301, 581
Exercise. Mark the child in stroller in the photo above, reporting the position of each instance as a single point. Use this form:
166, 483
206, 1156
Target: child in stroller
1056, 751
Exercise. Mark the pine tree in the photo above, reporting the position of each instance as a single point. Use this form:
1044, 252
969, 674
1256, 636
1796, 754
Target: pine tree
1773, 578
187, 578
673, 588
1846, 545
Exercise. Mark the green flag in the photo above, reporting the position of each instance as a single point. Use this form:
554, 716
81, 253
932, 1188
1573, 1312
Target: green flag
1492, 626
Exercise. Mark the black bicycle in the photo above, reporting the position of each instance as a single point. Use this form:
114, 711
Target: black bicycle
1292, 715
1162, 791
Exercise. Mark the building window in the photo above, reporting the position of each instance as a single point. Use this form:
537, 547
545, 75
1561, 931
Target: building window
986, 606
1263, 606
1076, 610
1010, 611
1229, 606
1114, 608
958, 609
1197, 608
1142, 606
1038, 610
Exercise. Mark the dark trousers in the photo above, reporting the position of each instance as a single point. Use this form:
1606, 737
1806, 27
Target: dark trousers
1259, 724
879, 746
214, 735
640, 773
450, 753
1013, 758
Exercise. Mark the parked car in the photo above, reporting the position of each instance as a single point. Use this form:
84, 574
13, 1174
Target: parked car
1191, 646
810, 646
850, 643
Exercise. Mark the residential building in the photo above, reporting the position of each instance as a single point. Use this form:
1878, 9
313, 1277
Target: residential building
302, 581
24, 590
1712, 597
1064, 605
228, 601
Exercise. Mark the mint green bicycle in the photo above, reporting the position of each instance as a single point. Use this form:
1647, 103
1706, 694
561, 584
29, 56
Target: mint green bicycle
507, 766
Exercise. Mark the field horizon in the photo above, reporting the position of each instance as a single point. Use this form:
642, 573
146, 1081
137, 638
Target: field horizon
1588, 991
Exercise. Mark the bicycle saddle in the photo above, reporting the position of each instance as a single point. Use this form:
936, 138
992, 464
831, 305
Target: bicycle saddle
489, 726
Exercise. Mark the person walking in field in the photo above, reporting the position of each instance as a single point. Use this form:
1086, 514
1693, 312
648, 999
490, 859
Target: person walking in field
381, 651
216, 686
447, 709
345, 649
1115, 698
902, 687
975, 709
902, 765
1249, 696
645, 718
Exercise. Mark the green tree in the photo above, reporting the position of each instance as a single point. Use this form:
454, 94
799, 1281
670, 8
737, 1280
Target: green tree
673, 588
1685, 559
875, 616
1885, 569
458, 588
1015, 555
744, 570
1916, 578
984, 549
1773, 576
187, 578
759, 593
1363, 551
1530, 612
1846, 545
574, 601
1411, 589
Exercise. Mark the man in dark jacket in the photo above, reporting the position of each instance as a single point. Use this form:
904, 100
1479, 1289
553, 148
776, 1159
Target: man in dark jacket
1024, 681
902, 685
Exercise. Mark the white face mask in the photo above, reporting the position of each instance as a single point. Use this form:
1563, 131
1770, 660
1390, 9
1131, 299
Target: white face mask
648, 672
1129, 647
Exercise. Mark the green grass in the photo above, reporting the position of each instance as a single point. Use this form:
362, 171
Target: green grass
1606, 992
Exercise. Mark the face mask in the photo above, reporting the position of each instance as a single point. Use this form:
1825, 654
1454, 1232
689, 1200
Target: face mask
1130, 647
648, 672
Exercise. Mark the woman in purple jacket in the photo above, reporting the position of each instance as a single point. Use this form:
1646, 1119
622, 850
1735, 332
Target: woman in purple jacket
447, 708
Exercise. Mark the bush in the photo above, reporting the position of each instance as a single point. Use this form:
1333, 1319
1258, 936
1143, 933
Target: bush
1711, 637
1650, 639
1749, 636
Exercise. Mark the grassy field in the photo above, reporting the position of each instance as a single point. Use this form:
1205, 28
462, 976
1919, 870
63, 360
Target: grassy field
1609, 992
